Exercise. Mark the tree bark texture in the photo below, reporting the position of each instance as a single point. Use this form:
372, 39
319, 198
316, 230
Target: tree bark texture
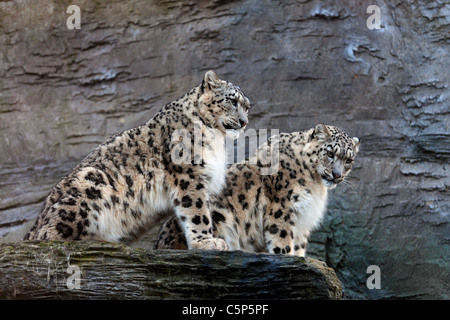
49, 270
64, 91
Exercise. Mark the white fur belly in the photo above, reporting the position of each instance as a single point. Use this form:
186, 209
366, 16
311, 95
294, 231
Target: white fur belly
116, 222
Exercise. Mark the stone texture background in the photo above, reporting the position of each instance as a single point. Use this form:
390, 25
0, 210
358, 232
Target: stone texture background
63, 92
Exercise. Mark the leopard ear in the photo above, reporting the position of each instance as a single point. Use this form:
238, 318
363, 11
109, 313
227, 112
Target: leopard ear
321, 132
356, 142
210, 80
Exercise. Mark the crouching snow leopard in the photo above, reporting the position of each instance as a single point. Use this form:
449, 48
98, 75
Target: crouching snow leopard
276, 213
120, 189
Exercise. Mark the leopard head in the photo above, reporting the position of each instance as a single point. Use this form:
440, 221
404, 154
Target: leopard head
334, 153
223, 105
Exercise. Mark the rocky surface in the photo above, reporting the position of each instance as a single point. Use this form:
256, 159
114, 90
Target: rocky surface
90, 270
62, 92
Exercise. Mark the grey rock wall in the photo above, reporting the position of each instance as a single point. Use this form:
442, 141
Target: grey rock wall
62, 92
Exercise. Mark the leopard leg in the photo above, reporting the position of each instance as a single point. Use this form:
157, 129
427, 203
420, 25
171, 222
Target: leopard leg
300, 241
278, 230
195, 220
170, 236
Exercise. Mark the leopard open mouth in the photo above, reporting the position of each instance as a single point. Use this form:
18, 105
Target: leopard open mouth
328, 180
230, 126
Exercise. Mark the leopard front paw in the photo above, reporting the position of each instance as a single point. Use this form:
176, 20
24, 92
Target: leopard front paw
209, 244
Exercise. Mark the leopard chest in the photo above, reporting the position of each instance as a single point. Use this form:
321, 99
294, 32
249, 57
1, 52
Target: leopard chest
309, 208
214, 158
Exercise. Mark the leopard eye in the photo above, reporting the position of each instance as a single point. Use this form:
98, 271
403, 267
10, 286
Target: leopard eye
234, 102
330, 154
349, 161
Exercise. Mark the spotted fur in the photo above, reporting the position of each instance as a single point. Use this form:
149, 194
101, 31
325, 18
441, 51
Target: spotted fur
133, 179
276, 213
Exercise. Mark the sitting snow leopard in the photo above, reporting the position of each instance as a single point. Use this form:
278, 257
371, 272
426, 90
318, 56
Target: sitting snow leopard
276, 213
127, 183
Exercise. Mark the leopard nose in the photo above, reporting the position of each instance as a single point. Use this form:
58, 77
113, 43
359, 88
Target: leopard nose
243, 123
336, 175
